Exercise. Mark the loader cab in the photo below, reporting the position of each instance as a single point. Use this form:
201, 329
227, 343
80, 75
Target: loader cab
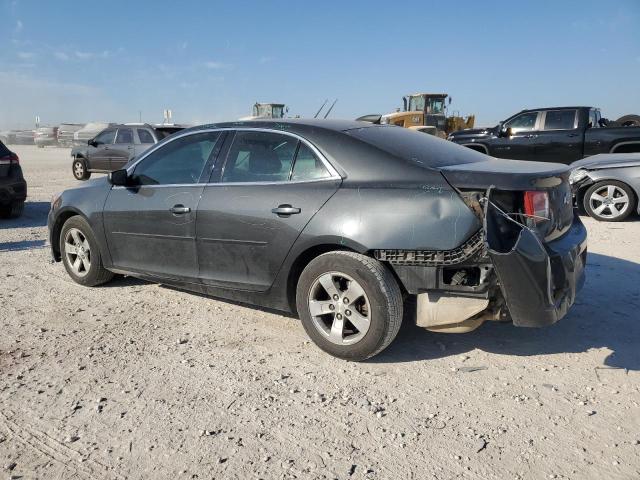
269, 110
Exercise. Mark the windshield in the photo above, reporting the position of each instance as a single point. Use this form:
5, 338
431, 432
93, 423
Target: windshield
426, 104
417, 147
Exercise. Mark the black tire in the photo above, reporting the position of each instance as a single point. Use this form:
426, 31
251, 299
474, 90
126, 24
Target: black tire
96, 274
382, 292
79, 169
601, 216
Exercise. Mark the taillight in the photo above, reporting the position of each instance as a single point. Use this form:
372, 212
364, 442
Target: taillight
536, 206
14, 158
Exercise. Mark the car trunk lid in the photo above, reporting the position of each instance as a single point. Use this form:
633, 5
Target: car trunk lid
509, 180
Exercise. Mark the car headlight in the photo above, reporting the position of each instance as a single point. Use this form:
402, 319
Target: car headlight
576, 175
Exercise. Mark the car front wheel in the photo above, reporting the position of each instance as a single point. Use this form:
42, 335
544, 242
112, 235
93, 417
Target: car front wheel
609, 201
350, 304
79, 168
81, 254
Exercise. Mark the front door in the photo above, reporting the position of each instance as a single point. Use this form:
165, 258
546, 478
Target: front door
271, 186
520, 145
151, 225
100, 152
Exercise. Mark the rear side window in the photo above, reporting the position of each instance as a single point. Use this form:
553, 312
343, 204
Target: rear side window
308, 166
145, 136
125, 135
106, 137
260, 157
178, 162
559, 120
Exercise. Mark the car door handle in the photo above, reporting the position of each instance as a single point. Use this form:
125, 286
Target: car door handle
572, 135
531, 136
285, 210
179, 209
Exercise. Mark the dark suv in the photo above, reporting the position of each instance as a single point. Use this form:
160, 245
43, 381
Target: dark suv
112, 148
13, 188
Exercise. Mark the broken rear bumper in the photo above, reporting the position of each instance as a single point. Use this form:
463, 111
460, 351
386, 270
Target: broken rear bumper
539, 281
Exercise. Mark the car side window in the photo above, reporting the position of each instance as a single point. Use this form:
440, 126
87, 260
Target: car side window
105, 138
260, 157
593, 119
523, 122
125, 135
308, 166
178, 162
145, 136
559, 120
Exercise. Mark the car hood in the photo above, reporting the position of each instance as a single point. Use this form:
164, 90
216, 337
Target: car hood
608, 160
472, 132
79, 149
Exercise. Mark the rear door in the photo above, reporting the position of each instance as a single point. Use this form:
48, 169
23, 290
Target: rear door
520, 145
122, 149
100, 154
559, 139
151, 226
249, 217
144, 141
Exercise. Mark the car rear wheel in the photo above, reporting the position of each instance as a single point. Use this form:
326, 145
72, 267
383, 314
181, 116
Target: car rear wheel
81, 254
79, 168
350, 304
609, 201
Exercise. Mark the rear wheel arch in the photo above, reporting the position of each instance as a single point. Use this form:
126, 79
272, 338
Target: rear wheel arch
302, 260
626, 147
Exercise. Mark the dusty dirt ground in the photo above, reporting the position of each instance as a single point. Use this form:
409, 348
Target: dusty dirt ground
136, 380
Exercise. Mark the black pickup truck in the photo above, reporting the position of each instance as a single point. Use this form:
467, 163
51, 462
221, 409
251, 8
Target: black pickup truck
558, 134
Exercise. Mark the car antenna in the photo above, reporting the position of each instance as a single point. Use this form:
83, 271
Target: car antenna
330, 108
320, 109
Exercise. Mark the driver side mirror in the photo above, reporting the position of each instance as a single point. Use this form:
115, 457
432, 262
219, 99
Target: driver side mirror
119, 178
506, 132
92, 143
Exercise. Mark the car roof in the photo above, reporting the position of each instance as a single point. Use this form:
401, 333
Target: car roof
553, 108
291, 124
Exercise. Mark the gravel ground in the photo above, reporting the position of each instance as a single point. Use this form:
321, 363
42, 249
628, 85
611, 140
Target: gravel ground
137, 380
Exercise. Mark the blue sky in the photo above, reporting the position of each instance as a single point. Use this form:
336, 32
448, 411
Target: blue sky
210, 61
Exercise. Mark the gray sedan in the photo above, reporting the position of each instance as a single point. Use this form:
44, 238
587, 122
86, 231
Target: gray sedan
607, 185
338, 222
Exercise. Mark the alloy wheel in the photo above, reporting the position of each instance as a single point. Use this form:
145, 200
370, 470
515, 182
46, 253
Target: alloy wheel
77, 251
609, 202
339, 308
78, 169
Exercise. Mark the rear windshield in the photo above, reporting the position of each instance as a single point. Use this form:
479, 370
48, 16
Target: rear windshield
421, 148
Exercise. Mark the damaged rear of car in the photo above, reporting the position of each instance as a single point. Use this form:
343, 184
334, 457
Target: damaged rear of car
524, 264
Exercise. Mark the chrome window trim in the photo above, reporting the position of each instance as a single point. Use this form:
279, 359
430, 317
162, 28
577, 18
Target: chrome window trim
544, 120
333, 173
231, 184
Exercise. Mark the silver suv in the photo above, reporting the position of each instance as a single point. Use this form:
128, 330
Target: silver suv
113, 147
